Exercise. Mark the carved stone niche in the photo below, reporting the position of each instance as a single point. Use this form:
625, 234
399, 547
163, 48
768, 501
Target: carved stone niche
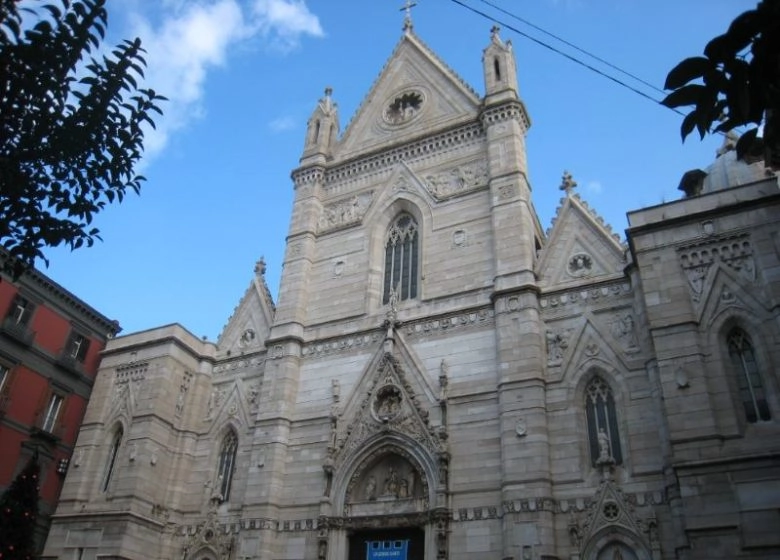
387, 403
387, 486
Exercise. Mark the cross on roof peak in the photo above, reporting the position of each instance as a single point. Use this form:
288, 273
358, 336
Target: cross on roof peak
408, 5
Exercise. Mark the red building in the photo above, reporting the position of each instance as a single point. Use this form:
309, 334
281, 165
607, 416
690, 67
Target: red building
50, 344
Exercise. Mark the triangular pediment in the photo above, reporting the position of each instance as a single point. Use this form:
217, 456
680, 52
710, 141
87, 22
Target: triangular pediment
392, 396
249, 326
230, 404
611, 511
731, 290
580, 248
583, 348
415, 94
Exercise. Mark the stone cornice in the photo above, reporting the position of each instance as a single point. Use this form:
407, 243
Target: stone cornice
385, 159
512, 110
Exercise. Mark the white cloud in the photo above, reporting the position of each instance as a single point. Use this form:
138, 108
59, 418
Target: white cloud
595, 187
286, 21
189, 39
282, 124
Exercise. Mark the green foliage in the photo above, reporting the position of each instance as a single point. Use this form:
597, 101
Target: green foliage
18, 511
70, 123
736, 83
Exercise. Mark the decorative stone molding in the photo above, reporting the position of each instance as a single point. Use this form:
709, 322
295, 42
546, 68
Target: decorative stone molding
471, 319
308, 176
428, 146
505, 192
696, 260
319, 348
513, 110
390, 405
345, 212
239, 364
457, 181
584, 296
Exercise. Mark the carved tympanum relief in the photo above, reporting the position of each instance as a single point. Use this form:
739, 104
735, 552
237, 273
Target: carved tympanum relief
389, 483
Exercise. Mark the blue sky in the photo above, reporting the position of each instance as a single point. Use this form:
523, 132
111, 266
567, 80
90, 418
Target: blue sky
243, 76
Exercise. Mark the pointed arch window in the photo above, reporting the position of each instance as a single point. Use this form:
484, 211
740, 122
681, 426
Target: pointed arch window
227, 465
402, 256
749, 383
601, 416
113, 453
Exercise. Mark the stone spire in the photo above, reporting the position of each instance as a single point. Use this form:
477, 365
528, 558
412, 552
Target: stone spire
323, 127
498, 61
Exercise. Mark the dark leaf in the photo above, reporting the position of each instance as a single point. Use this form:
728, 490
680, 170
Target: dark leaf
689, 69
686, 95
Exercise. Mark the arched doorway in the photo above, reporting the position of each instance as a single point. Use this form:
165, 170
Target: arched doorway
388, 503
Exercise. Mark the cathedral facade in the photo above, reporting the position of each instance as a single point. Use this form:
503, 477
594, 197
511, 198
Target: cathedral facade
440, 378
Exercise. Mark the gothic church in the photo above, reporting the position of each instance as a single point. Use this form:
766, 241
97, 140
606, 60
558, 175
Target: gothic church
441, 378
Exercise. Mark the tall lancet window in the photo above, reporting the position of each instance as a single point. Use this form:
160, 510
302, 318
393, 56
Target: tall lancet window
227, 465
113, 453
402, 255
751, 389
602, 422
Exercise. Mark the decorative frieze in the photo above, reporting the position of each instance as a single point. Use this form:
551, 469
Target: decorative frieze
308, 176
341, 344
508, 111
457, 180
345, 212
583, 296
475, 318
431, 145
237, 365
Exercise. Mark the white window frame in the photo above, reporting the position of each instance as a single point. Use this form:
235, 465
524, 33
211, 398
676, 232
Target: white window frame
53, 410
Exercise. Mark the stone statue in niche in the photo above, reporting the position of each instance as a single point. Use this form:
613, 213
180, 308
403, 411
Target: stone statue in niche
397, 486
387, 403
623, 329
370, 493
391, 483
604, 453
556, 344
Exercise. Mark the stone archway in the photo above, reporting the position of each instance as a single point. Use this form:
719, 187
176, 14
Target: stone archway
390, 492
616, 543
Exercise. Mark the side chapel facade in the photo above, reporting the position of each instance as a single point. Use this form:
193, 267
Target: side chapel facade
442, 374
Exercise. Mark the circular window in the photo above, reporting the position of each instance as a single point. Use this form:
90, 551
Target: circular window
403, 108
611, 511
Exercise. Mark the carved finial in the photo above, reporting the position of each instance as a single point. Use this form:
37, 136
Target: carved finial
328, 91
494, 31
568, 183
408, 14
260, 267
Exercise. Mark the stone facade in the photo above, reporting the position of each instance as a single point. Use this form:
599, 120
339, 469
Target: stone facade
440, 369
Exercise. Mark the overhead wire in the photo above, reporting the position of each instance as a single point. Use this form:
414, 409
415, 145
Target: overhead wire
573, 46
567, 55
